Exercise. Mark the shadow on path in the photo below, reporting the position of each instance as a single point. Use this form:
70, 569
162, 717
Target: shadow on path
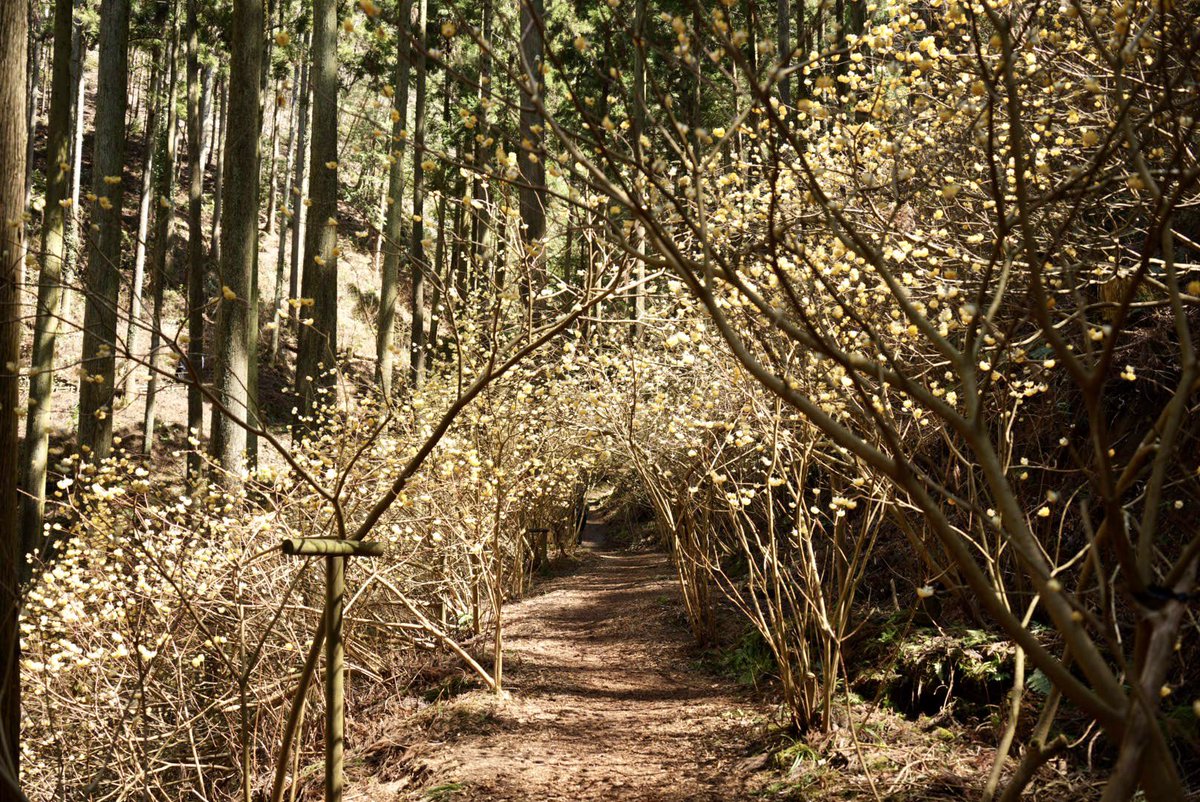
606, 701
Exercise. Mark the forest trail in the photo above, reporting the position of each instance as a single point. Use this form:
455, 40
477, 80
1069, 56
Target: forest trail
607, 702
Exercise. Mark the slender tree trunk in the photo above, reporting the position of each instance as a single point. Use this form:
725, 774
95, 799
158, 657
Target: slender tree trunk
288, 223
533, 169
381, 221
316, 357
441, 276
13, 130
252, 345
570, 268
49, 300
132, 106
214, 234
783, 20
164, 225
79, 90
479, 188
416, 361
239, 242
196, 256
208, 117
136, 308
300, 199
271, 185
33, 92
458, 267
102, 279
639, 126
441, 273
392, 235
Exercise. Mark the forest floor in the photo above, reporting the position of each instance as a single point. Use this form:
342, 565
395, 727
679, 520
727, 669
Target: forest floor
605, 700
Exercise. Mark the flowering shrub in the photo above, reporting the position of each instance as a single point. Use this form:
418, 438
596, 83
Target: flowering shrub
163, 634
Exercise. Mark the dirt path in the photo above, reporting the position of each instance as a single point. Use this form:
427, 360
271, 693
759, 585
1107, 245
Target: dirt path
606, 703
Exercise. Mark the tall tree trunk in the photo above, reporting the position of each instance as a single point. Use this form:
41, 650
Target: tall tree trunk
33, 92
79, 93
196, 256
316, 357
801, 38
639, 126
288, 223
458, 238
133, 104
136, 308
164, 231
479, 187
300, 188
208, 116
214, 234
392, 235
440, 276
530, 154
49, 301
239, 242
783, 20
102, 280
13, 30
856, 18
416, 359
271, 184
441, 273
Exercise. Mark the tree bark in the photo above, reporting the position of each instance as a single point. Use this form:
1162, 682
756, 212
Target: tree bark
239, 243
33, 92
416, 351
640, 113
287, 224
784, 43
208, 116
196, 257
49, 287
300, 190
271, 184
458, 270
136, 308
441, 273
102, 278
13, 30
317, 353
79, 90
164, 230
393, 233
530, 155
479, 188
49, 301
219, 128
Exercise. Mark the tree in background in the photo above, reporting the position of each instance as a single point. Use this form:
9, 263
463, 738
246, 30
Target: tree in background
195, 249
532, 191
237, 313
13, 133
393, 228
164, 232
97, 388
422, 163
316, 357
50, 283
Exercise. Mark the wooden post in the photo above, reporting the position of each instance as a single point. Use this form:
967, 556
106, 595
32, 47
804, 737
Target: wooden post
335, 553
